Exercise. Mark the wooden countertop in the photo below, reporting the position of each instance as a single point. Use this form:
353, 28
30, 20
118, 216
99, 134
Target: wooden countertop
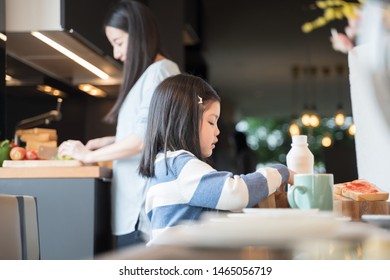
93, 171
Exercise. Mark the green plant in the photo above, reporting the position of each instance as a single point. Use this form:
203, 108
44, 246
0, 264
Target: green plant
271, 139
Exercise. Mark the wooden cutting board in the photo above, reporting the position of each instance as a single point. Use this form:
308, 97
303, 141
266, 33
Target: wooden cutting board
346, 207
41, 163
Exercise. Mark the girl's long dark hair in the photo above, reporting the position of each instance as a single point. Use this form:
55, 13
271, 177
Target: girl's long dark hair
138, 21
174, 118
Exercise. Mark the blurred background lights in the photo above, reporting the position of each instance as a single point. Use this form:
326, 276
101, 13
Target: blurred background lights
305, 119
352, 130
294, 129
314, 120
339, 119
326, 141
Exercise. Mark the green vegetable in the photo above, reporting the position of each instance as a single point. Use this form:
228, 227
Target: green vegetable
5, 144
5, 148
65, 157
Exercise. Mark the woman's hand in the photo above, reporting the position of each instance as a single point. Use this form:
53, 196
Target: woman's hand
74, 149
126, 147
345, 42
341, 42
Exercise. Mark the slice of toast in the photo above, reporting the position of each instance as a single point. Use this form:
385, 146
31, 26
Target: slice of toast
337, 188
360, 190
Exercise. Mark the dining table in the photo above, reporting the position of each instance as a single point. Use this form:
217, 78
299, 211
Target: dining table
271, 234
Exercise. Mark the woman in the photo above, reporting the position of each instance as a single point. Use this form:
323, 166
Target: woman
132, 31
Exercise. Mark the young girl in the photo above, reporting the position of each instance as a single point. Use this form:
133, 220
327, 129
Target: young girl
181, 134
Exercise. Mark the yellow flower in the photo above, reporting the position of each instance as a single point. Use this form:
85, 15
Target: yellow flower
333, 9
307, 27
322, 4
329, 14
320, 21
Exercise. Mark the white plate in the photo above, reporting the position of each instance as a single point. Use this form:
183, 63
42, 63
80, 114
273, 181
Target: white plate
249, 230
382, 221
277, 212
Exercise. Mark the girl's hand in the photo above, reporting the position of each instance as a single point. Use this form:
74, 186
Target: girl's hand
291, 179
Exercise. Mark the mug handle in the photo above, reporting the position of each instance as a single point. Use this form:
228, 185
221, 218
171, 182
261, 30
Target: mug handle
291, 197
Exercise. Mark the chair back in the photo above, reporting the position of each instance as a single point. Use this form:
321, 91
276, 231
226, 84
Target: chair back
19, 232
10, 230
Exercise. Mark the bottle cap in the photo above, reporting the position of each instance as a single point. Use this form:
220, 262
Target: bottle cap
299, 139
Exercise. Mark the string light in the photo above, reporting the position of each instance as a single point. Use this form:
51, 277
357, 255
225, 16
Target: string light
305, 119
352, 130
326, 141
339, 118
294, 129
314, 120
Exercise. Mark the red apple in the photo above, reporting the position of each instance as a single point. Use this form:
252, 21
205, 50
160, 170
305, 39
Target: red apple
17, 153
31, 155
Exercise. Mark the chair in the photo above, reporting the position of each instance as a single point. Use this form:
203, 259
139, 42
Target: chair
31, 238
269, 202
19, 233
10, 231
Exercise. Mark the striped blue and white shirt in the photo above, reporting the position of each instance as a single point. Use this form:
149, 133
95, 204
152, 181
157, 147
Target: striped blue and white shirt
191, 186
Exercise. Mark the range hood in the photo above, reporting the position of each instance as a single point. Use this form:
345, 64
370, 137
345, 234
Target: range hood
23, 17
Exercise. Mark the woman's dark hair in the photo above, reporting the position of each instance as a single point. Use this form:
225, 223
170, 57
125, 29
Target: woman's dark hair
174, 117
138, 21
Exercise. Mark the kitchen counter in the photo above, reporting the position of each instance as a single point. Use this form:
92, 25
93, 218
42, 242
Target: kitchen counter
74, 207
92, 171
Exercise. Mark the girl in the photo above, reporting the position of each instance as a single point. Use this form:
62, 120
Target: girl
181, 134
132, 30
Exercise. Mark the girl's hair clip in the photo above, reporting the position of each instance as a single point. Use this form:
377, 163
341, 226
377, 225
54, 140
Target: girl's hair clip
200, 100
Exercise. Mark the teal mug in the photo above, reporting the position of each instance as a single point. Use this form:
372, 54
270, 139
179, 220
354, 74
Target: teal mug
311, 191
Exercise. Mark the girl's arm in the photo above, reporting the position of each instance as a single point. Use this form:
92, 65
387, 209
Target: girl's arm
205, 187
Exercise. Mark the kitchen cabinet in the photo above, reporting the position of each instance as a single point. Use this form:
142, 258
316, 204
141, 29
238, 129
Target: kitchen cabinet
73, 207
